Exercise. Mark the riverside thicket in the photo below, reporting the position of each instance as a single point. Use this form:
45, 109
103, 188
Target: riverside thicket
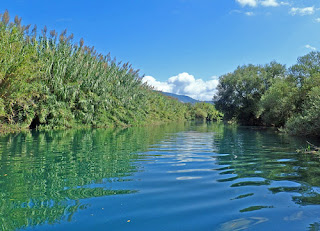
273, 95
48, 81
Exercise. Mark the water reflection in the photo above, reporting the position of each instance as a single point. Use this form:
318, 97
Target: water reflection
242, 223
44, 175
268, 159
187, 176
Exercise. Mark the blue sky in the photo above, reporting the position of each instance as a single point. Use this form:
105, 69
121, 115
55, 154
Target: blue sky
183, 42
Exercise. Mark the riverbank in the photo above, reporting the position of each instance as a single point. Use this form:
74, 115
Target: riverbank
47, 81
16, 128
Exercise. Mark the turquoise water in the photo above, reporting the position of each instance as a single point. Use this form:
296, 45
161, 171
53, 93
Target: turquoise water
170, 177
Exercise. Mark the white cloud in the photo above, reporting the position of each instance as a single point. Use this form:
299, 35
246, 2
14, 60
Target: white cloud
266, 3
159, 86
249, 13
310, 47
185, 84
252, 3
235, 12
302, 11
285, 4
317, 19
269, 3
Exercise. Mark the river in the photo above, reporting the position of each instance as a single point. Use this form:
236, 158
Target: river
182, 176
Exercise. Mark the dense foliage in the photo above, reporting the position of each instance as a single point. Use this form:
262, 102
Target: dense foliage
205, 111
48, 81
239, 93
274, 96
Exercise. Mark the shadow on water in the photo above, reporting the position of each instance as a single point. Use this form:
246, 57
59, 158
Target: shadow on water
44, 175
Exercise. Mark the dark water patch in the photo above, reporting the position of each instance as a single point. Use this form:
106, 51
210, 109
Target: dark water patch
254, 208
243, 196
228, 179
250, 183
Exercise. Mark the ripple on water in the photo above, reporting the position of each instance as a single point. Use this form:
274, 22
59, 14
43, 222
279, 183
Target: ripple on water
254, 208
243, 196
228, 179
286, 160
188, 177
242, 223
254, 181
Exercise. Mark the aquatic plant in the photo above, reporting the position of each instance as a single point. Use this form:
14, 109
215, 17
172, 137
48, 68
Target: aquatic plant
49, 81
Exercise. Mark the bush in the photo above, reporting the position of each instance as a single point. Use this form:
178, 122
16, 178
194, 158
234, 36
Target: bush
206, 111
307, 122
279, 102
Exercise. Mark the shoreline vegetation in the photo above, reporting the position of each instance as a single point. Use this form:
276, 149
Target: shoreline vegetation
49, 82
310, 149
274, 96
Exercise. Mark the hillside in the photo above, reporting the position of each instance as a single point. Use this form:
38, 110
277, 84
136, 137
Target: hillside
184, 98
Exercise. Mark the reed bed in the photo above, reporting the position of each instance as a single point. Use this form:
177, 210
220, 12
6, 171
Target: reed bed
49, 81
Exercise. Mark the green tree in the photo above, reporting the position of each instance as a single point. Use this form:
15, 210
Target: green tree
307, 66
306, 74
206, 111
307, 122
279, 102
239, 92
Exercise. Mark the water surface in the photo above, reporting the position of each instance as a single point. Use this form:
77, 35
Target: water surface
171, 177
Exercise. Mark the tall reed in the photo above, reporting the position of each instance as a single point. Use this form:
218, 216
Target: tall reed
48, 80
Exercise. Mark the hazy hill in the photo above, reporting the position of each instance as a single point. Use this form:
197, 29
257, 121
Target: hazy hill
184, 98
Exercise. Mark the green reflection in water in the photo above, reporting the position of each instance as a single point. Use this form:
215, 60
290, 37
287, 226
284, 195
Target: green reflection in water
259, 157
243, 196
43, 175
314, 227
254, 208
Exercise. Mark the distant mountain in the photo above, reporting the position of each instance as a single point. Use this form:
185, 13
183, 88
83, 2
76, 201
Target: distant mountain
181, 98
184, 98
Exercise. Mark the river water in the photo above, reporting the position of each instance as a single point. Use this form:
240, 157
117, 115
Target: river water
185, 176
